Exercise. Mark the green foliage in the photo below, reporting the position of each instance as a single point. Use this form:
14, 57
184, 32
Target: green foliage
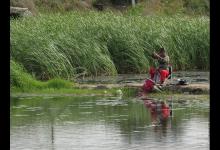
137, 10
91, 43
59, 83
23, 81
197, 6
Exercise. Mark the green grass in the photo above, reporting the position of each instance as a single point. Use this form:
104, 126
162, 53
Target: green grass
90, 43
20, 80
59, 84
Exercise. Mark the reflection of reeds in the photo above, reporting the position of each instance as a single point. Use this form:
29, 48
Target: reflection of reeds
64, 45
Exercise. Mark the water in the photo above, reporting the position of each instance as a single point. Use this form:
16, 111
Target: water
110, 123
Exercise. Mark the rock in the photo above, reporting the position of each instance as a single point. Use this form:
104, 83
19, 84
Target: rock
99, 7
101, 87
19, 12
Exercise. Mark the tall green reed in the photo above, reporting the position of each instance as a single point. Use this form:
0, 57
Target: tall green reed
91, 43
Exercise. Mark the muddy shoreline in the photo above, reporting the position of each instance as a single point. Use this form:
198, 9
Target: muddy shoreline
198, 82
193, 88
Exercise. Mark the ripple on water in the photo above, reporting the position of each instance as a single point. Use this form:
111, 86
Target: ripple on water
29, 97
72, 105
19, 106
40, 114
86, 107
137, 131
32, 108
19, 115
53, 108
47, 97
63, 115
108, 131
85, 113
111, 103
71, 122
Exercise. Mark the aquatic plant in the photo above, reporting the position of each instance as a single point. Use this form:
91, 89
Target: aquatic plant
90, 43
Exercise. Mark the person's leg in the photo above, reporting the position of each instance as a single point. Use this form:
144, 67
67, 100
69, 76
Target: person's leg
163, 75
152, 72
157, 76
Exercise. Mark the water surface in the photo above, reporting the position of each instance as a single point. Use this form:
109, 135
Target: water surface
110, 123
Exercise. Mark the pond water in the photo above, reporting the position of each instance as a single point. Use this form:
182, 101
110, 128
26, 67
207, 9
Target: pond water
110, 123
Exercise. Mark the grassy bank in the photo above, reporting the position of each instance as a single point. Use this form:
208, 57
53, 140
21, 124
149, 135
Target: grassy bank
22, 82
90, 43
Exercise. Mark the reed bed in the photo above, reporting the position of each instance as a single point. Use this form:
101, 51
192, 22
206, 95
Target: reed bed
90, 43
21, 80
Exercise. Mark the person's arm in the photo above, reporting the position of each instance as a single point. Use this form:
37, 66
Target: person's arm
154, 55
157, 56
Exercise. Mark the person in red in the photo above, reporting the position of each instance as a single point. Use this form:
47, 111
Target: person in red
162, 70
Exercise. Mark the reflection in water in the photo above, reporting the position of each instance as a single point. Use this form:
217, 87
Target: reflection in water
52, 135
106, 123
160, 113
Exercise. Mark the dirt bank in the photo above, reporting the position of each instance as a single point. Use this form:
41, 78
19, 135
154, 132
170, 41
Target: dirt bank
194, 88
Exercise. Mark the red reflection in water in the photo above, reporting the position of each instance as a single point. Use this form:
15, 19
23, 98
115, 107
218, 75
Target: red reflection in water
159, 111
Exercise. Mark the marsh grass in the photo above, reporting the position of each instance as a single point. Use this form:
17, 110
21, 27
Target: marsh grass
20, 80
59, 83
91, 43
